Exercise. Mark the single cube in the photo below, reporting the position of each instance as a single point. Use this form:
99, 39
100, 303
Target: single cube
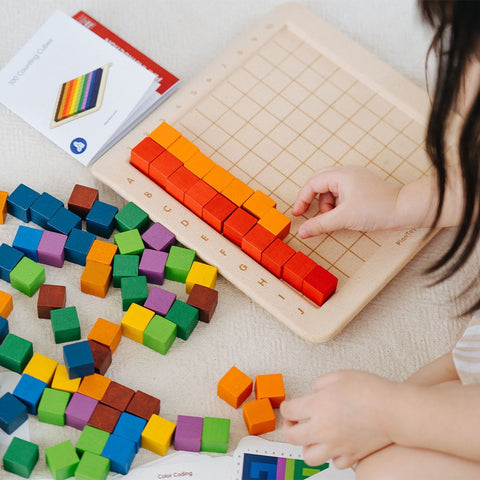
61, 380
217, 210
20, 201
256, 241
143, 405
238, 192
4, 329
184, 316
15, 353
218, 178
258, 204
95, 279
107, 333
21, 457
160, 334
79, 410
144, 153
62, 460
165, 135
101, 219
188, 434
102, 252
215, 434
199, 164
198, 196
27, 276
201, 274
6, 304
296, 269
65, 325
234, 387
129, 242
157, 237
29, 390
118, 396
157, 435
43, 208
205, 300
51, 249
130, 427
92, 467
319, 285
163, 166
13, 413
50, 297
64, 221
152, 265
52, 406
78, 245
91, 440
121, 452
276, 256
78, 359
237, 225
104, 418
276, 223
94, 386
160, 300
102, 357
134, 290
82, 199
3, 206
259, 416
183, 149
271, 387
9, 257
179, 182
131, 217
27, 240
135, 321
41, 367
179, 263
124, 266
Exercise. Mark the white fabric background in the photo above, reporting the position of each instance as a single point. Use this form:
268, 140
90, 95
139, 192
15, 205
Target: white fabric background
405, 326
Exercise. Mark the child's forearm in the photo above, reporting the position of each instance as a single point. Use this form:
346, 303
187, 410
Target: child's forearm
440, 370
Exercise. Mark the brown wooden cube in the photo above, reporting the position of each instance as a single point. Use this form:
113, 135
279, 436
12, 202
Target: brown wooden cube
82, 199
102, 357
118, 396
50, 297
104, 417
205, 299
143, 405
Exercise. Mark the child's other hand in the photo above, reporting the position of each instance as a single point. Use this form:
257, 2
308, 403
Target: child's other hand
343, 419
350, 198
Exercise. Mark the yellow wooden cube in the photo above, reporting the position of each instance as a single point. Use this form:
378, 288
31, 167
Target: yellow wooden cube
202, 274
157, 435
102, 252
135, 321
6, 304
3, 206
41, 367
61, 380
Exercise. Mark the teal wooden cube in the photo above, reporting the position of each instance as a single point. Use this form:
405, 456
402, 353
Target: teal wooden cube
184, 316
131, 217
62, 460
160, 334
92, 467
27, 276
92, 440
134, 290
21, 457
124, 266
52, 406
129, 242
179, 263
65, 324
215, 434
15, 353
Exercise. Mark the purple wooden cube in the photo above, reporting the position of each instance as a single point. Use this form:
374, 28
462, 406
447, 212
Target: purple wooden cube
159, 300
51, 249
188, 434
152, 265
158, 237
79, 410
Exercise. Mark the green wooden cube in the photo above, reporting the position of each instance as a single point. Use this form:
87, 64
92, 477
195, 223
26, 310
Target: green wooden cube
21, 457
65, 324
52, 406
131, 217
160, 334
62, 460
27, 276
15, 353
179, 263
124, 266
129, 242
215, 434
134, 290
92, 440
92, 467
184, 316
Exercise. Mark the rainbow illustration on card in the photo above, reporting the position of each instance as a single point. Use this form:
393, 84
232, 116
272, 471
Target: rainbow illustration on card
80, 96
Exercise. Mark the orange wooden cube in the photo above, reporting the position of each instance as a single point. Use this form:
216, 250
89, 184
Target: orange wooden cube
143, 154
179, 182
259, 203
275, 256
319, 284
271, 387
218, 178
163, 166
95, 279
200, 164
94, 386
259, 416
238, 192
198, 196
6, 304
234, 387
165, 135
107, 333
237, 225
183, 149
276, 222
296, 269
3, 206
102, 252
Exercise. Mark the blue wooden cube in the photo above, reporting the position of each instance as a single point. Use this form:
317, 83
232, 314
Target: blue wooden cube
78, 245
20, 201
121, 452
9, 257
101, 219
130, 427
3, 329
78, 359
27, 240
64, 221
43, 209
29, 390
13, 413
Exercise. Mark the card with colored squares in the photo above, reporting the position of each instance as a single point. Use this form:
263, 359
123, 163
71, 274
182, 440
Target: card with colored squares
289, 97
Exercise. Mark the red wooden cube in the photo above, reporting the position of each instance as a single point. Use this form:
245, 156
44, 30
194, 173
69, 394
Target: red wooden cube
297, 268
179, 182
256, 241
276, 256
217, 210
143, 154
162, 167
237, 225
319, 284
197, 196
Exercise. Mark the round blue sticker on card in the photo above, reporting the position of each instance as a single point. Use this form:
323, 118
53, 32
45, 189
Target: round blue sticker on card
78, 145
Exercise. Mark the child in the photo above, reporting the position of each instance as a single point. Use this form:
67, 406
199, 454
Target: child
429, 426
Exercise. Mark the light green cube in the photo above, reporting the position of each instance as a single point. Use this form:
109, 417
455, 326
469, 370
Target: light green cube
92, 440
52, 406
179, 263
129, 242
27, 276
215, 434
92, 467
62, 460
160, 334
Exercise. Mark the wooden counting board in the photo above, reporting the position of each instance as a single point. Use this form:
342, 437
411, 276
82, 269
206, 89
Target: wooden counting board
291, 96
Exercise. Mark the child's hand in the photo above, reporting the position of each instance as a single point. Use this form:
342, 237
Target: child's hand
349, 197
344, 419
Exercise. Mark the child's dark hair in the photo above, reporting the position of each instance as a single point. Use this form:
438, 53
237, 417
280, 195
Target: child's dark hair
456, 42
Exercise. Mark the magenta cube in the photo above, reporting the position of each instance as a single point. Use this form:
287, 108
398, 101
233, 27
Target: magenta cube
79, 410
159, 300
152, 265
188, 433
51, 248
158, 237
